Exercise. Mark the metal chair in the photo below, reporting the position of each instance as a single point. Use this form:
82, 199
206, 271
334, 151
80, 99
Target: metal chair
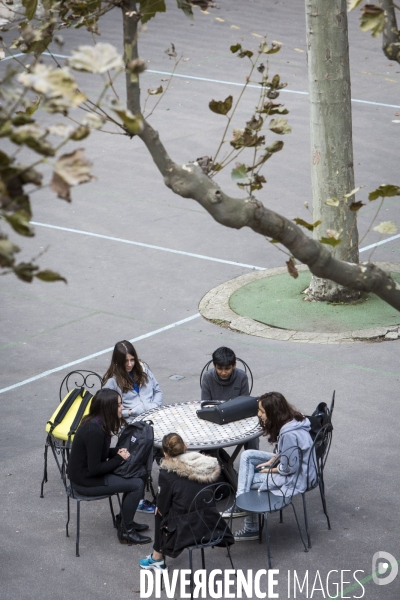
214, 532
246, 369
318, 457
85, 380
277, 496
72, 494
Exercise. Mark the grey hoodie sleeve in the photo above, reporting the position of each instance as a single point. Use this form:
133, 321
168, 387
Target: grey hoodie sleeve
111, 384
289, 454
157, 393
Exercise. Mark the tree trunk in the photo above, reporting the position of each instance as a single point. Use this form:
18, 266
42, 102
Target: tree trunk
332, 173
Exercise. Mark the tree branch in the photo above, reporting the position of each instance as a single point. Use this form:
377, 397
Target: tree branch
391, 35
189, 181
130, 20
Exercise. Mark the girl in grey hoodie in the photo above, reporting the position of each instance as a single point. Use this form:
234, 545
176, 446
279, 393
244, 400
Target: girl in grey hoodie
289, 429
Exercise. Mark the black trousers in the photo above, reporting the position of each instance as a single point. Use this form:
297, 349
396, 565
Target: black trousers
157, 533
132, 489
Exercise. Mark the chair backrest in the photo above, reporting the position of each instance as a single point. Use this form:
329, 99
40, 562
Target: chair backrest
205, 521
245, 366
318, 455
282, 486
80, 379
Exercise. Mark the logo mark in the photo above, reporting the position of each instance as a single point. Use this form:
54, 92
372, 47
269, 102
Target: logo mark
384, 562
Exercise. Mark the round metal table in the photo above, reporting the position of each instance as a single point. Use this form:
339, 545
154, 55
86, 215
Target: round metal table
199, 434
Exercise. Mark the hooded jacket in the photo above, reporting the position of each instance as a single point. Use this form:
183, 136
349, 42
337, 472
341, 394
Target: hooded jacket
149, 396
292, 434
181, 478
215, 388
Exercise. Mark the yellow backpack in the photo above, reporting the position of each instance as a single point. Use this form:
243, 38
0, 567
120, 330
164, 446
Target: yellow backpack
65, 420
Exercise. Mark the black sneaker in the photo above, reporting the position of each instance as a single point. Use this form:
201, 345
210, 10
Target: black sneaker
235, 511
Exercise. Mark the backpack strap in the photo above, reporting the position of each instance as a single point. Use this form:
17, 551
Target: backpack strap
64, 408
86, 398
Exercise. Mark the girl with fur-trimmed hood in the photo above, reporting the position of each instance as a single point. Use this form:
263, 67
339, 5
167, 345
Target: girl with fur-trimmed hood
182, 476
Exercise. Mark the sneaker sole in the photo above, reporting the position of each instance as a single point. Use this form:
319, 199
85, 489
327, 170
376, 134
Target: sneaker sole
234, 515
153, 568
252, 538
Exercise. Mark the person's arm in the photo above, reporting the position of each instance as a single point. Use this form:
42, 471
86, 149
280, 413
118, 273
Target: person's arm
165, 494
157, 393
289, 455
94, 447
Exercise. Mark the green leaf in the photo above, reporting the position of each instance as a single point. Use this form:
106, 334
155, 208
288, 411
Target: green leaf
279, 126
96, 59
352, 4
274, 147
19, 221
240, 174
132, 123
7, 251
309, 226
265, 49
30, 8
48, 275
25, 271
355, 206
330, 241
357, 189
270, 108
384, 191
235, 48
332, 201
80, 133
159, 90
186, 7
372, 19
386, 227
33, 136
149, 9
221, 107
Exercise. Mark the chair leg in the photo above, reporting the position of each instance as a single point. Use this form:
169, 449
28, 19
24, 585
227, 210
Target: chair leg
191, 573
230, 557
306, 519
322, 492
281, 516
267, 535
68, 517
112, 512
203, 561
44, 480
260, 527
298, 527
78, 524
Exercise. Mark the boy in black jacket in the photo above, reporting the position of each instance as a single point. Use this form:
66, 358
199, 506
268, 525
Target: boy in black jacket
225, 381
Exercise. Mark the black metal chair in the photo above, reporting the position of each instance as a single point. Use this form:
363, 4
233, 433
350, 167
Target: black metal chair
85, 380
277, 496
315, 476
72, 494
211, 496
246, 369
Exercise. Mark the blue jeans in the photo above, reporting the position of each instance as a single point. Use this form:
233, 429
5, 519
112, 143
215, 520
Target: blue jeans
248, 480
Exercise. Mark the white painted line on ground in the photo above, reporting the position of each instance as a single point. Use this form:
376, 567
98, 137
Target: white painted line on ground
394, 237
115, 239
85, 358
202, 256
217, 81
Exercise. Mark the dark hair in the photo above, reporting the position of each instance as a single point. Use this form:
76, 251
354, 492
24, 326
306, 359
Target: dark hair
105, 406
224, 357
117, 368
173, 444
278, 412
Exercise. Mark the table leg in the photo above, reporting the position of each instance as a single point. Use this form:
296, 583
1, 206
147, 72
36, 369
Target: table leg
226, 461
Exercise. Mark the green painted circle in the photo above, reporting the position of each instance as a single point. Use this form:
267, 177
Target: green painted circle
278, 301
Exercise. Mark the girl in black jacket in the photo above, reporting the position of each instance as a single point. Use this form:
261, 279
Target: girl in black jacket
182, 476
92, 462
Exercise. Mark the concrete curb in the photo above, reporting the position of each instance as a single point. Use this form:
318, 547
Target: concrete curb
214, 307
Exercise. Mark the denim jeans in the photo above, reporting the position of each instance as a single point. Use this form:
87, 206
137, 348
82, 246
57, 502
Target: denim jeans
248, 480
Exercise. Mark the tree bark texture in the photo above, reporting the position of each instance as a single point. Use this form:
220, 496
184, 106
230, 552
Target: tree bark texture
332, 173
391, 35
130, 24
189, 181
